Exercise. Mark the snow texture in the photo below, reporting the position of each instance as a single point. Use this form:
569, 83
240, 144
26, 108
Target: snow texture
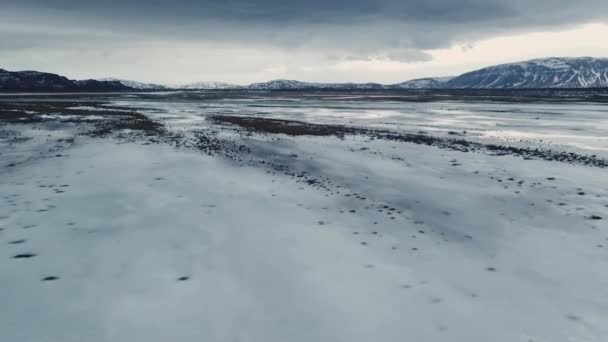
133, 242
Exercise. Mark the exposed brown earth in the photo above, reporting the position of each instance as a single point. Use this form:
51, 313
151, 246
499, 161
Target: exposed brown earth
299, 128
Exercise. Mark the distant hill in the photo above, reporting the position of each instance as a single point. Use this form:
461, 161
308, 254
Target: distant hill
208, 86
297, 85
136, 85
423, 83
547, 73
34, 81
584, 72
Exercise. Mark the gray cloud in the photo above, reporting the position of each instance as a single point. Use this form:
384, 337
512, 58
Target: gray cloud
368, 24
315, 11
325, 31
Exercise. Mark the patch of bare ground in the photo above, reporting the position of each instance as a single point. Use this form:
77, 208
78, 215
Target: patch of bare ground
299, 128
288, 127
106, 119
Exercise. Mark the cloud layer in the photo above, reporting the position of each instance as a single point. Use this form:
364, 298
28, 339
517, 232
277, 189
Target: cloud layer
316, 32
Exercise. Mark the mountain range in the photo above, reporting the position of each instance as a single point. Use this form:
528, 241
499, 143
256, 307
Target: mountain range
34, 81
554, 72
583, 72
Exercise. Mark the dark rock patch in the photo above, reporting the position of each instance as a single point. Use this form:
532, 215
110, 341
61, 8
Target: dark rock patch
24, 256
50, 278
299, 128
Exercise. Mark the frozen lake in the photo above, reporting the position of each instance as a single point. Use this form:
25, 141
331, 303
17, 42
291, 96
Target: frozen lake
309, 217
582, 125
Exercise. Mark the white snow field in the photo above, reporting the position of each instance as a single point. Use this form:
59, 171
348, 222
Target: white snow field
112, 240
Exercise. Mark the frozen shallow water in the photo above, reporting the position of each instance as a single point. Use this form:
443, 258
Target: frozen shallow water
402, 242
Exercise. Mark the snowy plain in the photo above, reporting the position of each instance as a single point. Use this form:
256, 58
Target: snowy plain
404, 242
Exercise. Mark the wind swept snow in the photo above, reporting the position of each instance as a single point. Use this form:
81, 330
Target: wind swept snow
292, 237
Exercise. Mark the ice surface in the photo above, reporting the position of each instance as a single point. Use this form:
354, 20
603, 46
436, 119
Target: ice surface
472, 254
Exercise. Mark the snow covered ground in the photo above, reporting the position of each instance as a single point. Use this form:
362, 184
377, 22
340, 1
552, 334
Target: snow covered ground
360, 240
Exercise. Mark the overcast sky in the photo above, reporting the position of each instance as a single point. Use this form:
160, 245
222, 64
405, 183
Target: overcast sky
243, 41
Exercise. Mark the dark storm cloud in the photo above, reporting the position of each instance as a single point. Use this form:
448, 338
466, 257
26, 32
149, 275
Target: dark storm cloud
285, 11
347, 29
331, 11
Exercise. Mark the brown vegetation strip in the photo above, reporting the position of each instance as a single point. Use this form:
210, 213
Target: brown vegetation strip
114, 118
299, 128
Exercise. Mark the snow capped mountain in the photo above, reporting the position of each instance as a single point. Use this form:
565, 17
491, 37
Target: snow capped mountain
297, 85
280, 85
423, 83
135, 84
355, 86
207, 86
554, 72
585, 72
